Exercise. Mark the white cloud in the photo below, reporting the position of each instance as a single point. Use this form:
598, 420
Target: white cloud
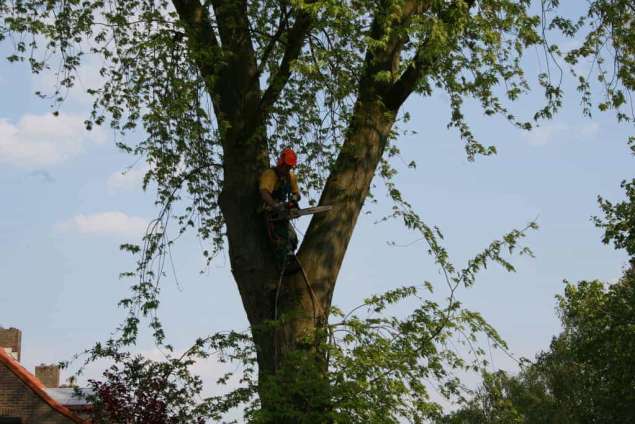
105, 224
589, 130
545, 134
549, 133
129, 179
43, 140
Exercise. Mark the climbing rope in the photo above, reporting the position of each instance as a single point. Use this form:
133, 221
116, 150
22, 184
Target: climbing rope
314, 300
275, 307
314, 303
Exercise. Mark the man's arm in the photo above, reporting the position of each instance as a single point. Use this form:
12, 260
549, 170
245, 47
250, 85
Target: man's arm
268, 199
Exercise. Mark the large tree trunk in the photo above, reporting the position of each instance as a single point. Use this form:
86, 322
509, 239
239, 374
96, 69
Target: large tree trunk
346, 189
287, 352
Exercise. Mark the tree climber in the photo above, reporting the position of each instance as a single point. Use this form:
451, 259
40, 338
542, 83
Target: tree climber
279, 192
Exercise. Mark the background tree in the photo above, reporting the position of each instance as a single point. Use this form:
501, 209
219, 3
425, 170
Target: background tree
619, 221
503, 398
586, 376
220, 85
136, 390
588, 373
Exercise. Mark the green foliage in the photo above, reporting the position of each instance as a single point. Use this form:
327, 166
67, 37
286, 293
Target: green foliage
494, 402
594, 357
383, 362
157, 75
150, 78
587, 375
619, 220
380, 369
608, 45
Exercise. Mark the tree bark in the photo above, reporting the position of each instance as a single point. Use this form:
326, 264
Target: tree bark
241, 110
301, 302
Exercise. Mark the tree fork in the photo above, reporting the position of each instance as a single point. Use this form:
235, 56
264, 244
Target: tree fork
286, 350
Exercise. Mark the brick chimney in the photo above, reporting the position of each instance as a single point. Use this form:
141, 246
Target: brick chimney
11, 339
49, 375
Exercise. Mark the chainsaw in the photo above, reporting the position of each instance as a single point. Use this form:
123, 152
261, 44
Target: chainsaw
293, 212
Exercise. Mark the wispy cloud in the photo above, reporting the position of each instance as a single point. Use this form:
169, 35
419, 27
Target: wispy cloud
545, 134
43, 175
105, 224
588, 130
44, 140
554, 132
129, 179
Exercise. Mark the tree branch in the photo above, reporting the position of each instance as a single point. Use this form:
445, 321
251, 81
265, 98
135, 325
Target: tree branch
200, 33
346, 189
295, 41
238, 90
233, 27
283, 24
407, 82
376, 108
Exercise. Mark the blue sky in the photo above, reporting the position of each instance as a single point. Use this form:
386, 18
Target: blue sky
67, 207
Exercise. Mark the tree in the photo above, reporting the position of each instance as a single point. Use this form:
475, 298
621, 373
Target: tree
136, 390
218, 86
588, 373
503, 398
595, 351
619, 221
381, 367
586, 376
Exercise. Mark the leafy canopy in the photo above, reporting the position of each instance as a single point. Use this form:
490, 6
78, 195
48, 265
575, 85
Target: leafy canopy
586, 376
151, 77
383, 364
156, 78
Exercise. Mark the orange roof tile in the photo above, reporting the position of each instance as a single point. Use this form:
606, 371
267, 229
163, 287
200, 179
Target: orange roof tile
36, 386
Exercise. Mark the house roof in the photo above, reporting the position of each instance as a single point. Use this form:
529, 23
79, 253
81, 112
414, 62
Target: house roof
67, 396
36, 386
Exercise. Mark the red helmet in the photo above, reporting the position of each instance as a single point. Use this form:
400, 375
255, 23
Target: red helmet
288, 157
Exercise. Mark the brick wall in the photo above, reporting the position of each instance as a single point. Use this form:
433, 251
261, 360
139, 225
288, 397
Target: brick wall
11, 338
18, 400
